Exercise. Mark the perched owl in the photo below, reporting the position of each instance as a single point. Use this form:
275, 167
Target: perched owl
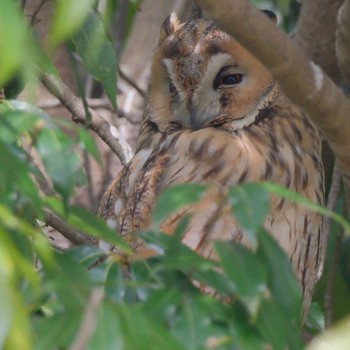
216, 116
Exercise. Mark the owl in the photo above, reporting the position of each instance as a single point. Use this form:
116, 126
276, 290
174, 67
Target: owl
216, 116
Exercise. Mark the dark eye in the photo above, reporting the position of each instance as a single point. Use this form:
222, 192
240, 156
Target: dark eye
172, 88
227, 79
231, 79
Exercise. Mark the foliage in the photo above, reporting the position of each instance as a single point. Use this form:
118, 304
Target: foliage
46, 295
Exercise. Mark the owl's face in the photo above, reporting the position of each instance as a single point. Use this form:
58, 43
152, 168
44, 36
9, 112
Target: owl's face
202, 77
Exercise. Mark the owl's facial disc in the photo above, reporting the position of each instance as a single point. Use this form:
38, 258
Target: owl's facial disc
202, 77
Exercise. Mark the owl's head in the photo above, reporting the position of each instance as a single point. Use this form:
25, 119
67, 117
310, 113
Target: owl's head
202, 77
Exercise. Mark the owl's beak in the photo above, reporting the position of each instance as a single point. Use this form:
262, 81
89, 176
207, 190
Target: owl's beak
196, 119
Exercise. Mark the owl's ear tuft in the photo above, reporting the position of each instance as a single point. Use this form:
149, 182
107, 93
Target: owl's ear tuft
271, 15
170, 25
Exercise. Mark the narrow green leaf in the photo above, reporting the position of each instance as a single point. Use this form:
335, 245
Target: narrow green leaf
67, 17
97, 53
250, 205
297, 198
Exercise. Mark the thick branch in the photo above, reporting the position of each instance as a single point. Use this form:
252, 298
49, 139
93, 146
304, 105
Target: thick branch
315, 33
303, 82
343, 40
107, 132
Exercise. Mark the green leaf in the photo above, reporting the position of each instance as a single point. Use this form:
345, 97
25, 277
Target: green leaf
61, 162
67, 17
250, 205
97, 53
12, 39
247, 273
174, 198
297, 198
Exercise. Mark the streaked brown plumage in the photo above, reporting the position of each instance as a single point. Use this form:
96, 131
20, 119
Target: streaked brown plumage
216, 116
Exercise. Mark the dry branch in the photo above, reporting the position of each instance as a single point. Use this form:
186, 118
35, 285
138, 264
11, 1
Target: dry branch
343, 40
302, 81
106, 131
59, 225
315, 34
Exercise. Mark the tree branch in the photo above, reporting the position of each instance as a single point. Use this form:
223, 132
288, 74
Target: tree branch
343, 40
124, 76
315, 34
303, 82
107, 132
59, 225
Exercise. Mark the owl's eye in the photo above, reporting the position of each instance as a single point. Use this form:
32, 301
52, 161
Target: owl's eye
172, 88
225, 78
231, 79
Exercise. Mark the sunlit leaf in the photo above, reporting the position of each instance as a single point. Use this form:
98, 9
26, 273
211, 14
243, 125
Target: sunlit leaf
335, 338
12, 39
14, 325
68, 16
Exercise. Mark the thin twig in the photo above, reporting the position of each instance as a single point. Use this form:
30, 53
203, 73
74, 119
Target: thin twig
89, 321
332, 199
132, 83
93, 103
331, 203
59, 225
90, 188
36, 12
106, 131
